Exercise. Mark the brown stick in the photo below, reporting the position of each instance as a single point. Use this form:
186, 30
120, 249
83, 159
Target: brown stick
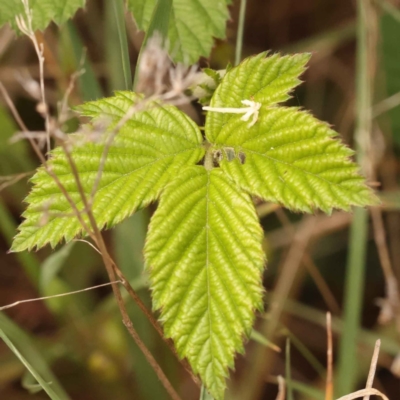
96, 235
329, 353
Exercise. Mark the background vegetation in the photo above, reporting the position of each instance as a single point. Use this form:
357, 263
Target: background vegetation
343, 263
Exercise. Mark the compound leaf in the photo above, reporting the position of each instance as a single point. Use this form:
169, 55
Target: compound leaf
291, 158
192, 25
144, 156
266, 80
43, 11
205, 259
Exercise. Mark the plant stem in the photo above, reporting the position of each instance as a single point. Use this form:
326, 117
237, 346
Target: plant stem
240, 32
354, 285
119, 15
288, 371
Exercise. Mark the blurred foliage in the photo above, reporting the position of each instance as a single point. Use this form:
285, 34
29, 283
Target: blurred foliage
78, 342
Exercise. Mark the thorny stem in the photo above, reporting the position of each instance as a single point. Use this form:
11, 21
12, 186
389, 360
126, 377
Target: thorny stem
26, 28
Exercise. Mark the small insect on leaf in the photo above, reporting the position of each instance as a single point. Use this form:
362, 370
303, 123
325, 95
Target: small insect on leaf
230, 153
242, 157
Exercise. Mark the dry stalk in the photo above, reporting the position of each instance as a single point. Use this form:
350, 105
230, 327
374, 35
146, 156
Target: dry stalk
372, 368
390, 306
43, 159
281, 388
6, 181
25, 24
363, 392
308, 262
289, 270
329, 354
57, 295
368, 391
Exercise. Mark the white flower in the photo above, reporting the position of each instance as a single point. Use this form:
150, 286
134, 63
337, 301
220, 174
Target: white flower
252, 109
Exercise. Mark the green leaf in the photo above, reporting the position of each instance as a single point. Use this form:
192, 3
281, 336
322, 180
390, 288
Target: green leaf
43, 11
150, 149
205, 259
293, 159
287, 156
267, 80
192, 25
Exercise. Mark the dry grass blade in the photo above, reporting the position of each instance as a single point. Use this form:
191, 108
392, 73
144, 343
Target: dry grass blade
282, 388
390, 306
363, 392
329, 353
368, 391
58, 295
372, 368
6, 181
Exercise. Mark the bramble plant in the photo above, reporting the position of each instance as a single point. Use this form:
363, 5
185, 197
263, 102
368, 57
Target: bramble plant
203, 249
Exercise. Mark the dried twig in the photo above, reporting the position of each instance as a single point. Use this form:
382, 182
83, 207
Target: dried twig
9, 180
24, 23
368, 391
372, 368
390, 306
363, 392
26, 27
329, 353
57, 295
308, 262
281, 388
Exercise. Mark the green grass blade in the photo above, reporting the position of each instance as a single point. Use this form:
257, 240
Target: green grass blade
117, 55
354, 291
307, 354
354, 286
160, 19
240, 32
288, 371
261, 339
45, 385
24, 349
